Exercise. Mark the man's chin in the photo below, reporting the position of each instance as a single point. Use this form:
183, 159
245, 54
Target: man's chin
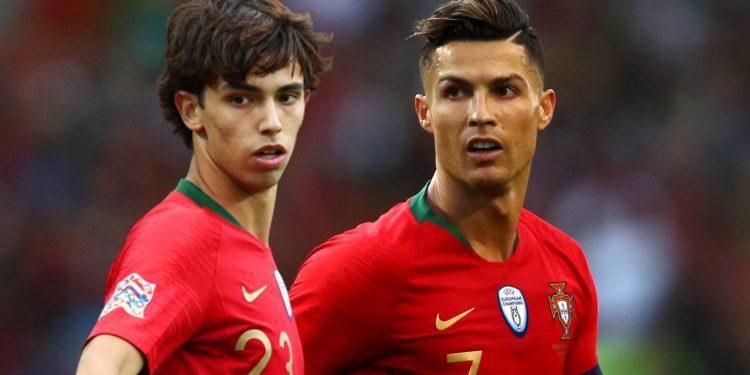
490, 186
261, 183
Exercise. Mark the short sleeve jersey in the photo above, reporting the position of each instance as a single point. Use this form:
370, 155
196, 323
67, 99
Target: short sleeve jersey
407, 295
196, 293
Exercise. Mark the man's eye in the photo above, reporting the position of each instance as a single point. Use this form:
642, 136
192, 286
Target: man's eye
288, 98
506, 91
240, 100
453, 92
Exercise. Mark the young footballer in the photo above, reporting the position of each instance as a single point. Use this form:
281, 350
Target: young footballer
195, 288
459, 278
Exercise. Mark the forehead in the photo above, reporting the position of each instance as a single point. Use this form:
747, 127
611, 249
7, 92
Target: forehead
290, 73
480, 60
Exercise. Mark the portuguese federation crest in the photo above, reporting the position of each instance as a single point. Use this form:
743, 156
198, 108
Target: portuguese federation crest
561, 306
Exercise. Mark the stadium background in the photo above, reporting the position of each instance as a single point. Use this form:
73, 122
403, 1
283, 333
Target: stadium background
647, 162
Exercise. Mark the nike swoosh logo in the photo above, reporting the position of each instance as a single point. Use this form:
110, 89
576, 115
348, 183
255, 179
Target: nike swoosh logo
445, 324
250, 297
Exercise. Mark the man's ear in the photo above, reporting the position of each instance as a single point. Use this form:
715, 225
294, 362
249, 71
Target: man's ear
422, 107
190, 108
546, 108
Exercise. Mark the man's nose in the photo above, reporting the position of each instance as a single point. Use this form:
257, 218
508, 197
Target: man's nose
480, 113
271, 123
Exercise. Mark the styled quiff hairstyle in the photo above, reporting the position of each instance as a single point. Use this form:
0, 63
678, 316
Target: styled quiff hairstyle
478, 20
229, 39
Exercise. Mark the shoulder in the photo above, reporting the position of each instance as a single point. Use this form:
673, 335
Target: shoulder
177, 218
543, 229
351, 283
174, 243
384, 240
366, 258
176, 227
562, 249
549, 236
353, 277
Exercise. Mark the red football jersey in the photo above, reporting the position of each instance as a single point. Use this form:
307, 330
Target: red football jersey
198, 294
407, 295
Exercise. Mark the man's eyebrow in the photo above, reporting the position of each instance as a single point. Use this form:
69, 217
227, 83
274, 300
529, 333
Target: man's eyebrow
497, 81
506, 79
239, 86
295, 86
453, 79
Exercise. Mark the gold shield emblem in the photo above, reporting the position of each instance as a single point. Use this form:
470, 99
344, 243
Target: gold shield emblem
561, 306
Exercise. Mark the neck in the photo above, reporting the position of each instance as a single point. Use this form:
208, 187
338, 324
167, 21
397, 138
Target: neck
488, 220
254, 210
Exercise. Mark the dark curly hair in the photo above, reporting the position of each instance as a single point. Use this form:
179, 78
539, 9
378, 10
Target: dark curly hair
229, 39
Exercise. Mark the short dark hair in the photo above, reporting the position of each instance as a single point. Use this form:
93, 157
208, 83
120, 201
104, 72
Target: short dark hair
466, 20
229, 39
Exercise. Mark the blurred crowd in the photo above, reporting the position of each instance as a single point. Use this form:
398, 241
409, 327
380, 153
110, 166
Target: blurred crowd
646, 164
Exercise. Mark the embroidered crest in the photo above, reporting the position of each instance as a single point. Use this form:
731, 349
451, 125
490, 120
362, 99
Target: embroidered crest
561, 306
133, 294
513, 307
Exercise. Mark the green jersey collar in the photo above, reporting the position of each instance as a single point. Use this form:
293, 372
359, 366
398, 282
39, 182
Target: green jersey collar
201, 199
422, 212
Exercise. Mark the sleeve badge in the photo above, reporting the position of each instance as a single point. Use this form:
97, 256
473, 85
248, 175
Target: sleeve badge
132, 294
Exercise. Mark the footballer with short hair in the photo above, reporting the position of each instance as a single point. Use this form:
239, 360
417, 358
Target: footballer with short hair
460, 278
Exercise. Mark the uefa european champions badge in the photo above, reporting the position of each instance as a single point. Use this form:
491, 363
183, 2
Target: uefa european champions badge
284, 293
132, 294
513, 307
561, 306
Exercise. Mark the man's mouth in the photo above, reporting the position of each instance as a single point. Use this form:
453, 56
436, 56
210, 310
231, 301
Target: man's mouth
484, 146
270, 152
